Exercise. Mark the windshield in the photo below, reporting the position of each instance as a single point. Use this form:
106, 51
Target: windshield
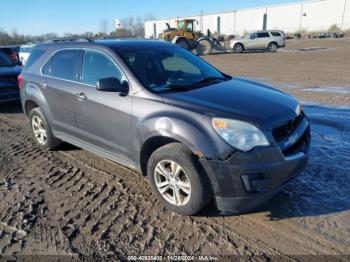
5, 60
169, 68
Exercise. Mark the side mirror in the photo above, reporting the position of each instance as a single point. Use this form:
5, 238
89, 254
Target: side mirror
112, 84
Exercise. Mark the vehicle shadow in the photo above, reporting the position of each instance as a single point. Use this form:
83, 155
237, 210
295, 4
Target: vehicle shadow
323, 187
13, 107
67, 147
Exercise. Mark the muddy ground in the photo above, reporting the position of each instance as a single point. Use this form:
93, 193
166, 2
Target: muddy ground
71, 202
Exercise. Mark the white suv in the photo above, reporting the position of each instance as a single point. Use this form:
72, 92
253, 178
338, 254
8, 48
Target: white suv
260, 40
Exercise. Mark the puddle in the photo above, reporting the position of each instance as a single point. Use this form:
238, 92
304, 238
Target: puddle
329, 89
323, 188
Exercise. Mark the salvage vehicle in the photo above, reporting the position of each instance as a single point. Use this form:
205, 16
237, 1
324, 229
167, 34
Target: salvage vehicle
260, 40
9, 72
195, 132
10, 52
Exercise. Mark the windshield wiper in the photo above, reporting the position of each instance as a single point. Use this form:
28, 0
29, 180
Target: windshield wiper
194, 85
209, 80
180, 87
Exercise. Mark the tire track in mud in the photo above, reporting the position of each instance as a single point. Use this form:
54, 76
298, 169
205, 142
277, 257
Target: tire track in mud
75, 203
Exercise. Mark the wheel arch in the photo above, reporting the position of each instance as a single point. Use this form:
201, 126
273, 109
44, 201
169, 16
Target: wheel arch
151, 145
239, 43
273, 42
177, 38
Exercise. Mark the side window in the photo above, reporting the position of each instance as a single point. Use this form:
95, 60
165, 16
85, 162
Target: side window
63, 64
252, 36
189, 27
97, 66
263, 35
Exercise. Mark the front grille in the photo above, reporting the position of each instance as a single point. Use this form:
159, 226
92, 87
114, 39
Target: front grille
281, 132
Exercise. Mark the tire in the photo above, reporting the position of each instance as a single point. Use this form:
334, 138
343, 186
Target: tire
238, 48
38, 126
272, 47
182, 43
204, 47
197, 191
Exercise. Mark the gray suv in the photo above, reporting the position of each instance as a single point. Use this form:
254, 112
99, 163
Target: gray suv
260, 40
198, 134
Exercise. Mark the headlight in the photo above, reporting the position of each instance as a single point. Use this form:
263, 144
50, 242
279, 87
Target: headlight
239, 134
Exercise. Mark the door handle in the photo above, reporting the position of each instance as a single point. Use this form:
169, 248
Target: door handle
43, 84
81, 96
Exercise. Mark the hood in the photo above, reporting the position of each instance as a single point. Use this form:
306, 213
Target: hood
10, 71
240, 99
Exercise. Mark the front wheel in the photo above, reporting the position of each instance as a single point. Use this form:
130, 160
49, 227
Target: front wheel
177, 179
204, 47
238, 48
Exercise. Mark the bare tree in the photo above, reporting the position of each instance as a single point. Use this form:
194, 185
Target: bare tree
135, 25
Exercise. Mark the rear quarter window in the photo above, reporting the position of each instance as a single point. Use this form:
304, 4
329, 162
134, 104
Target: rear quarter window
275, 34
63, 64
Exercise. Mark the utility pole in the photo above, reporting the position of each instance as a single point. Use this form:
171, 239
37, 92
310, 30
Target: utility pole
342, 20
201, 21
301, 15
234, 22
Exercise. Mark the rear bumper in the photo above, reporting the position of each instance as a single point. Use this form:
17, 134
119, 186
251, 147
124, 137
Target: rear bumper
245, 181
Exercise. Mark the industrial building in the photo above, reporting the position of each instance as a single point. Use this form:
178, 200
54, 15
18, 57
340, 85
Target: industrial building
315, 15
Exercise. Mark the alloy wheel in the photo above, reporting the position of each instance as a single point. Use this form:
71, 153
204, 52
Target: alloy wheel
39, 130
172, 182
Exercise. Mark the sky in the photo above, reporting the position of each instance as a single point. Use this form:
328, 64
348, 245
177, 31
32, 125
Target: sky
34, 17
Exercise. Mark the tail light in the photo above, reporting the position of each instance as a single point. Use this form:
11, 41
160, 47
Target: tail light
20, 81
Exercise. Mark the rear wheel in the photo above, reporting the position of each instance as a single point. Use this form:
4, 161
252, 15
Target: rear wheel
238, 48
177, 180
182, 43
41, 130
203, 47
272, 47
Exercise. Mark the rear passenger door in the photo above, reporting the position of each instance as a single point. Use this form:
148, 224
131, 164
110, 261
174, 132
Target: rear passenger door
59, 85
263, 40
104, 118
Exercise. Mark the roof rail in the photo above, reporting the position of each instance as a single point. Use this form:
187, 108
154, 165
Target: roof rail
117, 37
69, 39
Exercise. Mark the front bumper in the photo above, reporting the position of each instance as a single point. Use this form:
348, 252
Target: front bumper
245, 181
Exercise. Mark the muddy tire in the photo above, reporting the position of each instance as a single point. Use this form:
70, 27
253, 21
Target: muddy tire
204, 47
272, 47
182, 43
238, 48
177, 180
41, 130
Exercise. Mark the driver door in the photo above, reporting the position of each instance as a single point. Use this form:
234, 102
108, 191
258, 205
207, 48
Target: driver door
104, 118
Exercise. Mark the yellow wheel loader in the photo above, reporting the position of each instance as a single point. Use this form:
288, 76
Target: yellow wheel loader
185, 36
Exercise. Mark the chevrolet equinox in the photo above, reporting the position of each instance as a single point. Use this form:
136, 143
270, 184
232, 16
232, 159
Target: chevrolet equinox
196, 133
